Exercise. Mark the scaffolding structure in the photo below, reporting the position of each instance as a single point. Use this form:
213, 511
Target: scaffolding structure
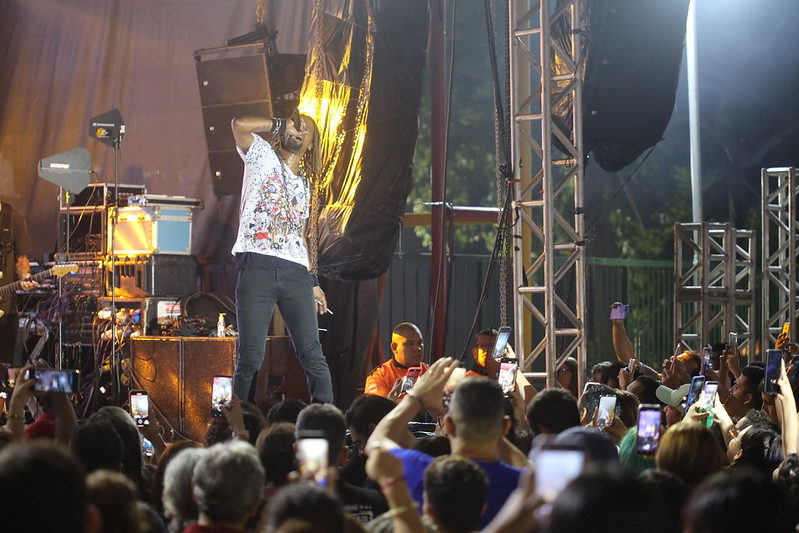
714, 271
779, 290
546, 79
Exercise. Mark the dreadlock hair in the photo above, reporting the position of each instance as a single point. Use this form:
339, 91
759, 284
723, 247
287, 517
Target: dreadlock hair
311, 168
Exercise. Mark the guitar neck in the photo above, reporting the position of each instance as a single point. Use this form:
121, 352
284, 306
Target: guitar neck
11, 287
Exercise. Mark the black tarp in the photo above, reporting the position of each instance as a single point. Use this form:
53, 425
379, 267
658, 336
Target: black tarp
366, 66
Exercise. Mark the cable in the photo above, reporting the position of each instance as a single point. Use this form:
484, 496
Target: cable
621, 188
504, 170
498, 245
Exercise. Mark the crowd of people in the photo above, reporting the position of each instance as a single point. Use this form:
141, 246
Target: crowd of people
487, 459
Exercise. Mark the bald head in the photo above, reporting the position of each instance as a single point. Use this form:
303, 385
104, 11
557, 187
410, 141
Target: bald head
407, 344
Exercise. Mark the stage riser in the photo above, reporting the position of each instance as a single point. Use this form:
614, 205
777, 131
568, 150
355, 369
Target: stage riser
177, 373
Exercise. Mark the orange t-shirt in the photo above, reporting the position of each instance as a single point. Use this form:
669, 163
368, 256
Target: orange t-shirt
382, 378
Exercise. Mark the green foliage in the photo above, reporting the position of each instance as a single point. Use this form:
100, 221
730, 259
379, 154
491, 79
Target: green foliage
652, 235
471, 162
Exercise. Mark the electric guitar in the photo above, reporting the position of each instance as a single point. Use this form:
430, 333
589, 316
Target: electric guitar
57, 271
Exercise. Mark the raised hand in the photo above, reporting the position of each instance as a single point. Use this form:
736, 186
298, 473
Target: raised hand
430, 387
675, 373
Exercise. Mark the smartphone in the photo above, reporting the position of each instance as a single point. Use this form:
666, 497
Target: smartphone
607, 411
732, 342
221, 394
773, 360
554, 468
707, 396
50, 380
502, 341
679, 349
410, 377
590, 385
697, 384
707, 363
507, 375
649, 417
140, 407
312, 458
786, 328
619, 312
147, 448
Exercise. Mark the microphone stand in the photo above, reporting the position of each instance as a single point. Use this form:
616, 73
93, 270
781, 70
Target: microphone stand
59, 361
112, 215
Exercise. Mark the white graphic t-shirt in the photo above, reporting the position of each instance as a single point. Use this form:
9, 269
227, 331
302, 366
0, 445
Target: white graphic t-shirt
274, 206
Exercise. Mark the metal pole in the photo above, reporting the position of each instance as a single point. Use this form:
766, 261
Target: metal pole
438, 278
693, 114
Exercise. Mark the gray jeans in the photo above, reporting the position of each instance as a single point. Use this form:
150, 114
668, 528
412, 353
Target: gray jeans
257, 292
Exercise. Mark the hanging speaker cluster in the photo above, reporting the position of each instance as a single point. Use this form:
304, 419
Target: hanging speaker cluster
239, 81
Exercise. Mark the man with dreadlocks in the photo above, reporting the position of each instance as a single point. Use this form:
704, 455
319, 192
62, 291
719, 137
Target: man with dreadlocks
275, 263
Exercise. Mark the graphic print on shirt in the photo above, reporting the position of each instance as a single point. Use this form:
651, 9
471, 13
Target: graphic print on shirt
274, 206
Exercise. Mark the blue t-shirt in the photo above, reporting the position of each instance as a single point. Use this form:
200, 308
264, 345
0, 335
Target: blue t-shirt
502, 480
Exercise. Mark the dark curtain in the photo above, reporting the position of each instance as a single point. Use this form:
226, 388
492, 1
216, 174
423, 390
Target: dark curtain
65, 61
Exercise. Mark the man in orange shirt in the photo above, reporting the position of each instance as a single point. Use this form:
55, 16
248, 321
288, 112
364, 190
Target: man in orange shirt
407, 347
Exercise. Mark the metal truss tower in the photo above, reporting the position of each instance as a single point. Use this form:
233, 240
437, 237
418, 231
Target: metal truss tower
779, 291
546, 80
714, 272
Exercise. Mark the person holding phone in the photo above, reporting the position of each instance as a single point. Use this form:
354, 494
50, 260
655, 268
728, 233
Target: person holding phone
275, 252
621, 342
484, 364
407, 349
745, 393
56, 417
328, 423
487, 366
476, 423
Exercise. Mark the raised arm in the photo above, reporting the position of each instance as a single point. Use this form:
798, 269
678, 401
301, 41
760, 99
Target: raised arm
621, 343
23, 392
244, 127
387, 471
426, 394
786, 410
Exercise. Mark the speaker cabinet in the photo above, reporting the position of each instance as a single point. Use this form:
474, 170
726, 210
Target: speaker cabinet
177, 374
240, 81
281, 376
632, 71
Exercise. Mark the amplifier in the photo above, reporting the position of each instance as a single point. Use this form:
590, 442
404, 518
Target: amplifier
102, 195
154, 315
153, 275
83, 229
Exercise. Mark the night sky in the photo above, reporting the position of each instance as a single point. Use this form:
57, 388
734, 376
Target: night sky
749, 119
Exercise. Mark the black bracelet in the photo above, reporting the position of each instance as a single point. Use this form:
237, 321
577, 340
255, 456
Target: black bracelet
315, 279
278, 126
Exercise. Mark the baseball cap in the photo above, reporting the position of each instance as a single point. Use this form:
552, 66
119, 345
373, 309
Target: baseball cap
672, 397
